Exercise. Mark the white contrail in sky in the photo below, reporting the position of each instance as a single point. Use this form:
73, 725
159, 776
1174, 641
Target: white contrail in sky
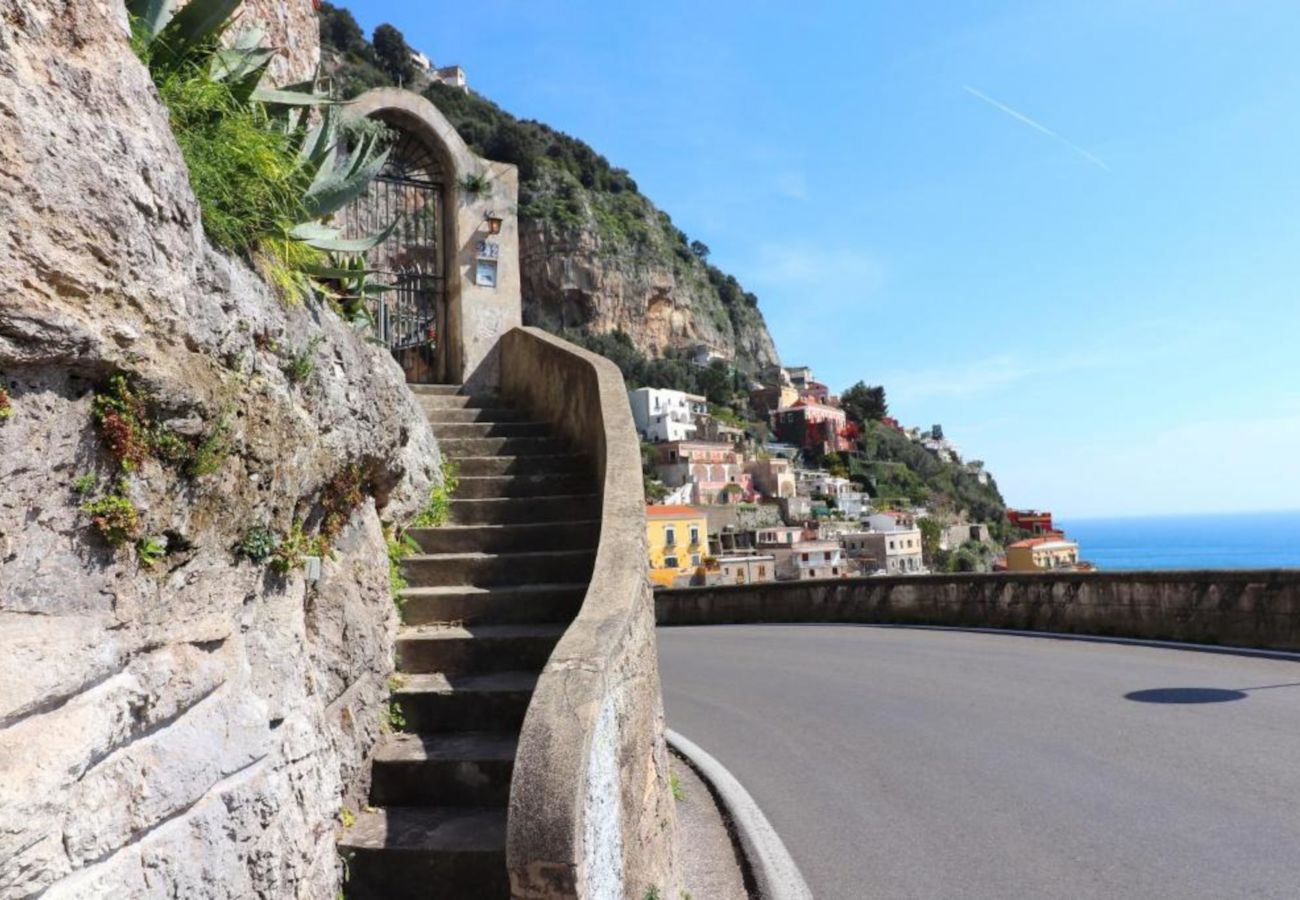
1021, 117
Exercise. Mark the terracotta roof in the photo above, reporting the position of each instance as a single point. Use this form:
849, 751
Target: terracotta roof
1039, 541
675, 512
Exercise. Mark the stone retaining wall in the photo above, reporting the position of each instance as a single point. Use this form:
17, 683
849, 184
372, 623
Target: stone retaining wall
1233, 608
591, 812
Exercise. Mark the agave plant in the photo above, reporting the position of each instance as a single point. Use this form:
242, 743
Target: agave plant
312, 161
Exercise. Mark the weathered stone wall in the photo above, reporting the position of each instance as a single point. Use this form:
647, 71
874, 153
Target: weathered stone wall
591, 813
1239, 609
189, 730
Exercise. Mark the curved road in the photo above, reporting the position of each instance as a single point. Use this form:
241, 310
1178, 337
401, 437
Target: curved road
908, 763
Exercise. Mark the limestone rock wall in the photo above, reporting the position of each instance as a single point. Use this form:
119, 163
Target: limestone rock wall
569, 281
189, 730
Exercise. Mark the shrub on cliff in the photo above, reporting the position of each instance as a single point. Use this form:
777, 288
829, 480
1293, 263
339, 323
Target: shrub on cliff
265, 178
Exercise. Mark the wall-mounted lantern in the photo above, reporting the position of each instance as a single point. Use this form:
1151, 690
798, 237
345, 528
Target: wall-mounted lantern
493, 222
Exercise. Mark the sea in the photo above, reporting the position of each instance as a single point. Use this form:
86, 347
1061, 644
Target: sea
1263, 540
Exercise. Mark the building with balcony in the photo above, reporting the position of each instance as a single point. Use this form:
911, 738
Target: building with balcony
665, 415
717, 471
741, 569
679, 541
896, 552
1043, 554
812, 559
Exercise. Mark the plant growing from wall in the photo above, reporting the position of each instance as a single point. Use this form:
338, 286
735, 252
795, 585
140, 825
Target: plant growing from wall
6, 405
438, 509
293, 548
114, 516
476, 185
265, 175
341, 497
257, 544
302, 364
400, 546
150, 551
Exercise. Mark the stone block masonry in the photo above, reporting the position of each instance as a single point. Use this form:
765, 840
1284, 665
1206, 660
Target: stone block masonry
1258, 609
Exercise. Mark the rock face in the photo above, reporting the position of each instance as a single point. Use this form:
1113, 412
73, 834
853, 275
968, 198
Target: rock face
190, 729
573, 279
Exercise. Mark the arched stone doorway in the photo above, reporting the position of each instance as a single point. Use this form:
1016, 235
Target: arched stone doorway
442, 319
411, 317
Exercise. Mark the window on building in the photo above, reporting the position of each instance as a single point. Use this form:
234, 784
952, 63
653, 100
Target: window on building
804, 556
695, 534
670, 535
670, 562
762, 571
695, 559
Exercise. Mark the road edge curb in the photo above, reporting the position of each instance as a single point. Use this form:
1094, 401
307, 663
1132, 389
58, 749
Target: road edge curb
775, 872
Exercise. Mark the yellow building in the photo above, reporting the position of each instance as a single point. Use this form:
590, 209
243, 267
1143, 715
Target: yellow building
1053, 551
679, 541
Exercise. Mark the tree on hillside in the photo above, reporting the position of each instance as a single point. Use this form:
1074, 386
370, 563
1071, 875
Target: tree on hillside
339, 29
864, 403
393, 53
700, 249
931, 531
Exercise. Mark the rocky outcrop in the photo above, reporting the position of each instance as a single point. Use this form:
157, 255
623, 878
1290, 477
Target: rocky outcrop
190, 729
572, 279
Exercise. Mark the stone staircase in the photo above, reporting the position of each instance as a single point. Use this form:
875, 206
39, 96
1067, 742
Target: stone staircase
490, 594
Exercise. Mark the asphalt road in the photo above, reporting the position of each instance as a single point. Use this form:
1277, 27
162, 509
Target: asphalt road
906, 763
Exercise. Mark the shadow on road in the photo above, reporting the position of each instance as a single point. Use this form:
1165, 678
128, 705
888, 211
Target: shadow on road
1198, 694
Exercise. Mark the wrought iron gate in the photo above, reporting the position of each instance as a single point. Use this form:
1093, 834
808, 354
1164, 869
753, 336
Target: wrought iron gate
410, 316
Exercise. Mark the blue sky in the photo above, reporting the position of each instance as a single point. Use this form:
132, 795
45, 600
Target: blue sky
1068, 232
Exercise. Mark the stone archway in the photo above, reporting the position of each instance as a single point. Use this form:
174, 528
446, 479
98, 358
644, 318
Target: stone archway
439, 256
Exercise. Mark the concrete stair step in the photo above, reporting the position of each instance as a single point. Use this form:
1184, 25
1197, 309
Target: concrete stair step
434, 390
452, 853
518, 538
559, 508
441, 703
448, 430
466, 769
484, 569
504, 605
455, 447
487, 487
469, 414
461, 649
538, 464
435, 403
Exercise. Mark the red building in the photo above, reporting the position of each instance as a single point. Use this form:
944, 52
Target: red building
812, 425
1032, 520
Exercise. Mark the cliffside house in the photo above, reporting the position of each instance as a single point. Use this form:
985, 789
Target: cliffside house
773, 476
890, 520
895, 552
780, 537
1045, 553
741, 569
811, 559
953, 536
1032, 520
679, 541
808, 424
717, 471
663, 415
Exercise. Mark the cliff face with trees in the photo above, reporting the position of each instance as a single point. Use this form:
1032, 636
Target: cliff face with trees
597, 257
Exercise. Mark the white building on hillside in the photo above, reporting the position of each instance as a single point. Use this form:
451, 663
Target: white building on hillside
663, 415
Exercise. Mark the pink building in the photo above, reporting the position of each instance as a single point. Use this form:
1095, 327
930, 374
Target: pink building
716, 471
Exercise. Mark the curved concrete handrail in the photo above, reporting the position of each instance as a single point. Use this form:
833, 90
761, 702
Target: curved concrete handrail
589, 799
